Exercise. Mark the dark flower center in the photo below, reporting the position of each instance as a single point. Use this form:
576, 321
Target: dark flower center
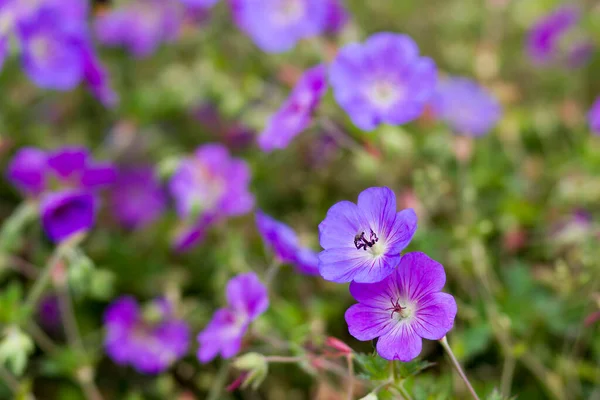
361, 241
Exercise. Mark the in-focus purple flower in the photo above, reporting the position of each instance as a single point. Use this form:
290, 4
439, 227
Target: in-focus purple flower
277, 25
594, 117
210, 185
403, 309
149, 339
382, 81
466, 106
65, 180
66, 213
138, 198
141, 26
247, 298
362, 242
544, 36
284, 243
295, 114
337, 16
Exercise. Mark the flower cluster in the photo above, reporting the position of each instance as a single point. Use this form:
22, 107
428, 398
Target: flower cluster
55, 44
149, 339
399, 296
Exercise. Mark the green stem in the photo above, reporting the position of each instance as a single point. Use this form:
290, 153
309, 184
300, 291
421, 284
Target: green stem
403, 391
272, 272
458, 368
219, 382
11, 382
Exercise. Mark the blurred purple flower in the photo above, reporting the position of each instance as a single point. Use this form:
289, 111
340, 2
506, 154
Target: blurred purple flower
284, 243
545, 34
49, 312
403, 309
141, 26
199, 3
363, 242
209, 186
150, 340
277, 25
337, 16
466, 106
295, 114
594, 117
65, 180
247, 298
138, 198
580, 53
382, 81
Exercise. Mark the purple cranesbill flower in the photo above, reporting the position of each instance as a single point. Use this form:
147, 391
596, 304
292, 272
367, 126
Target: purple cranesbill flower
295, 114
382, 80
403, 309
141, 26
199, 3
66, 213
363, 241
138, 198
96, 77
284, 243
580, 53
149, 339
594, 117
48, 313
209, 186
337, 16
544, 36
466, 106
247, 298
277, 25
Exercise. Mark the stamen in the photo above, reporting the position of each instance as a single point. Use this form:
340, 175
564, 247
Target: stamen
361, 242
395, 308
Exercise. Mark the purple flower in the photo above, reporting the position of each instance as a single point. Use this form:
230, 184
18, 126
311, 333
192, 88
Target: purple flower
594, 117
403, 308
138, 198
277, 25
150, 340
199, 3
141, 26
247, 298
382, 81
284, 243
362, 242
544, 36
580, 53
466, 106
65, 180
295, 114
337, 16
49, 313
209, 186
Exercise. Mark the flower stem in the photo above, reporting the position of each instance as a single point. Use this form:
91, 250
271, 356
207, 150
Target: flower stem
446, 346
403, 391
272, 272
350, 376
11, 382
219, 381
284, 359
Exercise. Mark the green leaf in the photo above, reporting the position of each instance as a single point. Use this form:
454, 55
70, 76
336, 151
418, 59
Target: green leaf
374, 367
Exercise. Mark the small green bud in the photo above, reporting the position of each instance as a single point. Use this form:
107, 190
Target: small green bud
370, 396
15, 349
257, 367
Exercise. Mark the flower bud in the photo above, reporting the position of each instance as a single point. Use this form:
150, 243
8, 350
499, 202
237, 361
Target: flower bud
256, 366
15, 349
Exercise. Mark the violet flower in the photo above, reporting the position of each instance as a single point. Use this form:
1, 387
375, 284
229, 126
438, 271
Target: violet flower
209, 186
544, 36
337, 16
382, 81
284, 243
466, 106
362, 242
150, 339
580, 53
199, 3
403, 309
277, 25
65, 181
295, 114
594, 117
247, 298
138, 198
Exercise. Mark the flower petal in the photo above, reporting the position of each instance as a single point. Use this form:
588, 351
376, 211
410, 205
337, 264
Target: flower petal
378, 204
343, 221
366, 322
66, 213
400, 343
247, 295
434, 316
419, 275
402, 231
343, 264
376, 294
26, 170
68, 161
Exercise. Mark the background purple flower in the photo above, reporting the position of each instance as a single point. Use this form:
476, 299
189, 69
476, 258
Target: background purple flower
362, 242
580, 53
403, 308
209, 186
545, 34
199, 3
137, 197
466, 106
150, 341
295, 114
382, 81
594, 117
337, 16
247, 298
66, 213
284, 243
277, 25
